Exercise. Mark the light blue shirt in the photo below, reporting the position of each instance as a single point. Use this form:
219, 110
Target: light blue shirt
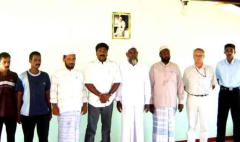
228, 74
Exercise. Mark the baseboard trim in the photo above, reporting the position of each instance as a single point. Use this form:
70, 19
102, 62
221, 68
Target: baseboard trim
210, 139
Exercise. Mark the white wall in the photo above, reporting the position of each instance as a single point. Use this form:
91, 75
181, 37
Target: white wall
52, 25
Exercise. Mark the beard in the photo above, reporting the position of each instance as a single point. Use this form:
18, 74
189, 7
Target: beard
134, 61
69, 66
165, 60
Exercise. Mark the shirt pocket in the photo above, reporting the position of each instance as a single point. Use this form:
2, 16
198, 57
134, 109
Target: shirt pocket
171, 75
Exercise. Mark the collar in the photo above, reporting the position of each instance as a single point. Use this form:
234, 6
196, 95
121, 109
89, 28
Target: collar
165, 64
203, 66
67, 70
232, 62
97, 61
127, 62
34, 74
8, 72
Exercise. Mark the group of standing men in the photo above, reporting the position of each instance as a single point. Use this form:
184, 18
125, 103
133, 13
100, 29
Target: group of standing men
31, 98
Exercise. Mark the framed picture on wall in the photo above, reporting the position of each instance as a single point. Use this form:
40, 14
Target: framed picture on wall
121, 25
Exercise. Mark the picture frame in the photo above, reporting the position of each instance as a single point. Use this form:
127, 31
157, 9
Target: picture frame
121, 25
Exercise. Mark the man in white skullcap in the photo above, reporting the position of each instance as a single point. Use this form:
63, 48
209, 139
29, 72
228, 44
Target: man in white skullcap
68, 99
133, 97
167, 87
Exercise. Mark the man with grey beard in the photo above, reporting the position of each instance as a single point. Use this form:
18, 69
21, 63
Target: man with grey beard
133, 97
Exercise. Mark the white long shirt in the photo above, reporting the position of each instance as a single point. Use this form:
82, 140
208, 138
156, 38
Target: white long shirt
102, 76
199, 81
67, 90
135, 89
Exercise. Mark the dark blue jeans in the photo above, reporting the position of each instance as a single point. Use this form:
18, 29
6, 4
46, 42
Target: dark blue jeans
93, 116
228, 100
11, 125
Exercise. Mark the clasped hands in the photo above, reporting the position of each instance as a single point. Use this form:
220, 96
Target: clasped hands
104, 97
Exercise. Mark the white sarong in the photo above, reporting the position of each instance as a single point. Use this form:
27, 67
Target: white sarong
69, 126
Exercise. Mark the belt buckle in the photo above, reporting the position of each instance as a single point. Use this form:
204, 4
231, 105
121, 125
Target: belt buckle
231, 88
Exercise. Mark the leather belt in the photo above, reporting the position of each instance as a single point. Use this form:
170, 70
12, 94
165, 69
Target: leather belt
199, 95
229, 88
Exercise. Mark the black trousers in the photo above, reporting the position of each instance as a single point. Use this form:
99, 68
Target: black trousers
11, 125
228, 100
93, 116
28, 126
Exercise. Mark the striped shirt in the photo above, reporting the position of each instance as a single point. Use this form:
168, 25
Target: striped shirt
8, 102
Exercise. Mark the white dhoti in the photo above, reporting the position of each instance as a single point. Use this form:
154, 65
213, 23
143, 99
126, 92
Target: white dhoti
69, 126
164, 124
132, 124
197, 108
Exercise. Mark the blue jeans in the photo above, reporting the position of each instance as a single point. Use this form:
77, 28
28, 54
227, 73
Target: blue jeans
93, 116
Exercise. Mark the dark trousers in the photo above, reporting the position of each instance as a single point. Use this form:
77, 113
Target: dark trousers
11, 125
29, 123
228, 100
93, 116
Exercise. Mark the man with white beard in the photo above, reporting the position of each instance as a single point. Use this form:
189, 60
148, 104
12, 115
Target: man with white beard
133, 97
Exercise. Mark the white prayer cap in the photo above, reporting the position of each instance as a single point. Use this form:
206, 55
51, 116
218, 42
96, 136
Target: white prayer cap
163, 47
130, 47
68, 52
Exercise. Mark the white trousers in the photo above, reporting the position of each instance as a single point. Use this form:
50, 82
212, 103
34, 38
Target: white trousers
69, 126
197, 108
132, 124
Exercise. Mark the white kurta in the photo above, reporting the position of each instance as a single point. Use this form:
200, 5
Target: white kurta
67, 91
134, 92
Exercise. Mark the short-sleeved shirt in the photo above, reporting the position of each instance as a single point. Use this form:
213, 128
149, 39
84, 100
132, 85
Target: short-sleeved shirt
102, 76
34, 87
8, 103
